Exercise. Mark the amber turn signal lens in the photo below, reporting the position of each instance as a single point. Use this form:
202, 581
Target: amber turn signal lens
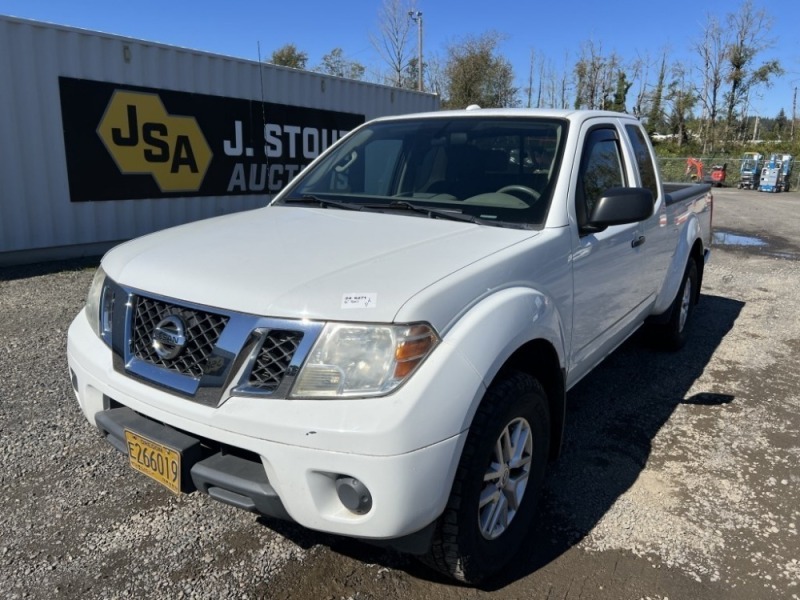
418, 342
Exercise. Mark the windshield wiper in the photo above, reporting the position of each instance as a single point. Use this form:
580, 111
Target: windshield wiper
306, 198
433, 213
436, 213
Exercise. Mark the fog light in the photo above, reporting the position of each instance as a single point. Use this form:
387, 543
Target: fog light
354, 495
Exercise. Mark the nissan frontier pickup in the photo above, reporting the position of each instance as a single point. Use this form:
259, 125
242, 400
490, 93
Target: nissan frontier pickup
384, 351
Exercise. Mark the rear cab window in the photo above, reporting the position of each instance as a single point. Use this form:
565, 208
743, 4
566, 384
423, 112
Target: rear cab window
644, 159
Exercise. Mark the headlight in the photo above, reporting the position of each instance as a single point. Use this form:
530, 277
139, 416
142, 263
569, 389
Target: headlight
94, 298
100, 306
352, 359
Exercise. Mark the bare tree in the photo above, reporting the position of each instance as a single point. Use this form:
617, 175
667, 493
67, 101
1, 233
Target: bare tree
553, 90
728, 68
434, 74
537, 65
550, 85
748, 29
529, 88
545, 88
711, 48
655, 116
640, 71
680, 99
596, 77
289, 56
564, 88
542, 71
587, 77
392, 39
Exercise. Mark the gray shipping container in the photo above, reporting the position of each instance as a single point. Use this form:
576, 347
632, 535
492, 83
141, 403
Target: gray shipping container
104, 138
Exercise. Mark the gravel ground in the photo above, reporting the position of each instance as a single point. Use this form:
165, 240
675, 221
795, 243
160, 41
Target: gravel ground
679, 475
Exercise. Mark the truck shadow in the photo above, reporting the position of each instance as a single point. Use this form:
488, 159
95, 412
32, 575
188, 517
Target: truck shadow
613, 415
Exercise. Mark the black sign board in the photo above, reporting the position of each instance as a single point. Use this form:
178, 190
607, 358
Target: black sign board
124, 142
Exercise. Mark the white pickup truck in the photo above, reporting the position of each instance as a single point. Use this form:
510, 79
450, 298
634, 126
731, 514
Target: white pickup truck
384, 351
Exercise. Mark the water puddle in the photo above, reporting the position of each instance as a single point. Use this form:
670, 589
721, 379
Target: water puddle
773, 246
726, 238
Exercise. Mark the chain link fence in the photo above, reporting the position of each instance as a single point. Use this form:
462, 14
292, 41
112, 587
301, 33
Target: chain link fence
674, 169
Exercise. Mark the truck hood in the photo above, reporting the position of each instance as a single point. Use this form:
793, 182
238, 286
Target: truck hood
299, 262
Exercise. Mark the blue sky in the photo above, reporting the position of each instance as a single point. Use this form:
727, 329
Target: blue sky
554, 29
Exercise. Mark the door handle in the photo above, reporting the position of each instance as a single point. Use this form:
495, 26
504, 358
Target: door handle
638, 241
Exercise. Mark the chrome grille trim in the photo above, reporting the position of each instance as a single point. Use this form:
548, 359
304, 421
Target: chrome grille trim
273, 359
226, 353
203, 330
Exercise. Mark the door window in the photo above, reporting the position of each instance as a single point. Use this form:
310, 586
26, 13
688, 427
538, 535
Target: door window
601, 169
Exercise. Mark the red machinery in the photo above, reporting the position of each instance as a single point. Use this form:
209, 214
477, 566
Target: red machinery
694, 168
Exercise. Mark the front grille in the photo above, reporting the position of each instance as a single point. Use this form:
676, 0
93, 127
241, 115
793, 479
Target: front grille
202, 331
274, 359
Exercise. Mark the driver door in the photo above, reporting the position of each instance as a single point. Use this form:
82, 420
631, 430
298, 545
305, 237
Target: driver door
607, 264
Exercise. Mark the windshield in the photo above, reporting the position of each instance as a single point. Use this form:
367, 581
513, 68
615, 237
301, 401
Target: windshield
492, 170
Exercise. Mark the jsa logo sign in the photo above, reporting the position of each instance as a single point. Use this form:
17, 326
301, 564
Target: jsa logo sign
144, 139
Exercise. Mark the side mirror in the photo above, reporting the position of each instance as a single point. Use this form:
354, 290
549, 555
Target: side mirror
619, 206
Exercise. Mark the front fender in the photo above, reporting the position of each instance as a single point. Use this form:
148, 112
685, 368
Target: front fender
495, 328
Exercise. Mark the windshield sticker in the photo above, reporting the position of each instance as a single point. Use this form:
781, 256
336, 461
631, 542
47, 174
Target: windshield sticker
368, 300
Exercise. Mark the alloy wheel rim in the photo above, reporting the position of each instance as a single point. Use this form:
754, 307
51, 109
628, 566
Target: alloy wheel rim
505, 479
685, 302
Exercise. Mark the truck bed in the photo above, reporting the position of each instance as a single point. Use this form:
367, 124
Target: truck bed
678, 191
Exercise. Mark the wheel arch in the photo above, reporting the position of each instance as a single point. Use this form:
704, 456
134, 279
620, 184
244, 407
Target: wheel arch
689, 248
698, 256
516, 329
539, 359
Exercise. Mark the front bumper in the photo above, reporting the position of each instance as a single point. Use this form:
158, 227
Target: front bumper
300, 448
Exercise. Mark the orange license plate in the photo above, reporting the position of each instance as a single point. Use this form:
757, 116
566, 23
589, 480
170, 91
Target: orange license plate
155, 460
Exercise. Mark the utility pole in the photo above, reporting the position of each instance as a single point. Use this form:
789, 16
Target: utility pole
794, 110
416, 16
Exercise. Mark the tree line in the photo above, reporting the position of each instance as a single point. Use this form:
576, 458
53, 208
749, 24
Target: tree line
703, 103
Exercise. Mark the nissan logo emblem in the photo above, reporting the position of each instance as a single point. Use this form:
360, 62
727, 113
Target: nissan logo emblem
169, 337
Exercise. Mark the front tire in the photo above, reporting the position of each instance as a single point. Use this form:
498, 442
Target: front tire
499, 476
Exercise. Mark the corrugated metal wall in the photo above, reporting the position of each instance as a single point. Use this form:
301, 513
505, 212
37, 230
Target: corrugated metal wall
35, 207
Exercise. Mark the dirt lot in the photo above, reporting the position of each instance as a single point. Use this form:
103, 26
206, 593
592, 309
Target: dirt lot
679, 476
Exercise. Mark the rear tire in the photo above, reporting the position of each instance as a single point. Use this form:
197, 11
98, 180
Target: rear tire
499, 476
672, 335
